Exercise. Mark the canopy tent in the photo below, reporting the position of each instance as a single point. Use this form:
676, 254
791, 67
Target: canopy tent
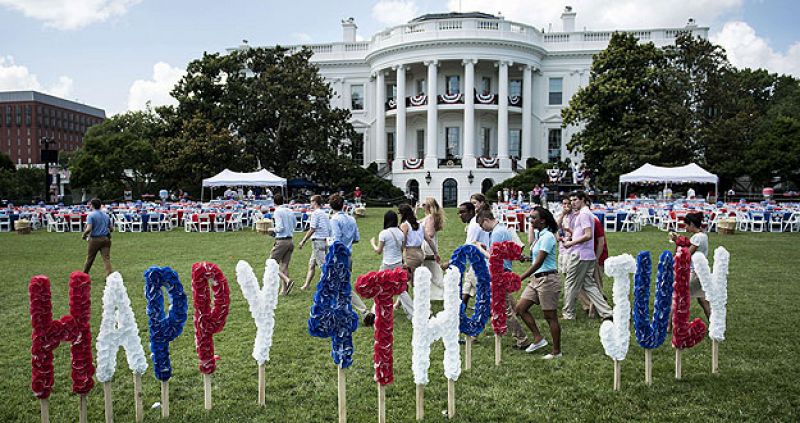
681, 174
228, 178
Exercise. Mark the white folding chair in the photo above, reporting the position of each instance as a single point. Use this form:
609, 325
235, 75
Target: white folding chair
174, 221
610, 222
54, 224
136, 222
792, 224
154, 222
235, 222
75, 223
628, 223
120, 223
776, 222
219, 222
757, 222
5, 223
203, 223
188, 224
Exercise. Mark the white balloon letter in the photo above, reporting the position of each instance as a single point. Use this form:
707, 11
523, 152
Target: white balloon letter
118, 329
262, 304
716, 288
616, 335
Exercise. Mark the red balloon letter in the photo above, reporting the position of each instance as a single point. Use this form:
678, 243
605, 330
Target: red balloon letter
207, 322
48, 333
684, 334
503, 281
383, 286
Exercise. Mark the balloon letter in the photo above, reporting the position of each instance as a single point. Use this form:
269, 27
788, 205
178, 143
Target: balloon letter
332, 314
383, 286
208, 321
616, 335
118, 329
650, 334
262, 304
48, 333
473, 326
716, 288
684, 334
503, 282
163, 328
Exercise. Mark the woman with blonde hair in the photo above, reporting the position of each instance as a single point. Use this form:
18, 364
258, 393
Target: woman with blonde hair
433, 222
414, 237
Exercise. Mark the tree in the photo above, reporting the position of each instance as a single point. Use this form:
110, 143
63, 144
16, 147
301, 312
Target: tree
118, 155
5, 162
23, 184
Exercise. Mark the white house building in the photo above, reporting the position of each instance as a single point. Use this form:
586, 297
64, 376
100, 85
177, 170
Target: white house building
450, 103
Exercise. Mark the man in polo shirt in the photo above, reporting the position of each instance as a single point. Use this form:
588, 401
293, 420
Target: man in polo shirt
98, 233
284, 246
581, 260
499, 233
345, 230
318, 232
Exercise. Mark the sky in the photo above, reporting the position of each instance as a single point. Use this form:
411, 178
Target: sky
119, 55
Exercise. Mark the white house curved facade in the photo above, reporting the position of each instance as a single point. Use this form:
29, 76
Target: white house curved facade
450, 102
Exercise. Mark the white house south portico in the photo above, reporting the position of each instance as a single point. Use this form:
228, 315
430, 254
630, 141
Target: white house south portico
451, 103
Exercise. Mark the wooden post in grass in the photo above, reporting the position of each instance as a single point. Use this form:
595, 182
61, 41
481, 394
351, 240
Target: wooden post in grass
44, 405
108, 402
617, 375
207, 391
498, 350
381, 403
678, 363
648, 366
164, 399
83, 416
468, 353
420, 401
262, 382
137, 397
714, 357
451, 398
342, 396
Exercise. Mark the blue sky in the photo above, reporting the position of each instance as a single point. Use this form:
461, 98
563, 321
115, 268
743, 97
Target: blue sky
118, 54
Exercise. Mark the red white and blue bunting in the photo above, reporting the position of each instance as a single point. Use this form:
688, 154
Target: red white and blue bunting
452, 98
418, 100
488, 161
485, 99
413, 163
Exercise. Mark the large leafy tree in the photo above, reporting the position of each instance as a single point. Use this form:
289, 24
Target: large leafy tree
276, 103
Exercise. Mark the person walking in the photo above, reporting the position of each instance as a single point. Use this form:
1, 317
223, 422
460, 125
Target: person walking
390, 245
345, 230
413, 237
433, 224
98, 233
318, 232
545, 287
475, 236
698, 243
284, 244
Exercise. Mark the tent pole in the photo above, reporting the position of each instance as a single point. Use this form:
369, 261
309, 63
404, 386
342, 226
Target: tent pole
201, 193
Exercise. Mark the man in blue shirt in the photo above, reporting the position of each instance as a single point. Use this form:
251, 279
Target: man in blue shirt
499, 233
318, 231
98, 233
345, 230
284, 245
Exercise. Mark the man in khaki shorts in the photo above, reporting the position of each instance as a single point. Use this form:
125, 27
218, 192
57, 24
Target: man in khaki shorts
284, 245
318, 231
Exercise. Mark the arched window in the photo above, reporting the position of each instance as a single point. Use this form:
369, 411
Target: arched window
412, 189
486, 185
449, 193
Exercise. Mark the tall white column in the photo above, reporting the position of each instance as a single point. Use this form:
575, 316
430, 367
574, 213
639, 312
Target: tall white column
527, 102
380, 120
431, 161
502, 115
400, 130
468, 161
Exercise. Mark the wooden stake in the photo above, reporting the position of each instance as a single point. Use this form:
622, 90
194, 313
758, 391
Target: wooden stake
420, 402
137, 397
342, 397
262, 386
108, 402
715, 357
678, 363
207, 391
648, 366
381, 403
468, 353
164, 399
44, 404
617, 375
83, 416
498, 350
451, 398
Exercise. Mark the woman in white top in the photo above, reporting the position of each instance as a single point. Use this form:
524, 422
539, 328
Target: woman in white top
414, 235
699, 243
433, 224
390, 244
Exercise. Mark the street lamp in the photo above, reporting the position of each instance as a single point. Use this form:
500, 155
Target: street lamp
428, 177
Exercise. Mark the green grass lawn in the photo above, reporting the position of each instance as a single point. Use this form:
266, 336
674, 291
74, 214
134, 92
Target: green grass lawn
759, 361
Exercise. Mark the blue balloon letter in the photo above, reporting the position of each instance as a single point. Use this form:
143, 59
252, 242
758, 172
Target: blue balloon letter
163, 328
651, 334
474, 325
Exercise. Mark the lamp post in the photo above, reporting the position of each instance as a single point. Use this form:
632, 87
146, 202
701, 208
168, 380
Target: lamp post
428, 177
45, 156
470, 177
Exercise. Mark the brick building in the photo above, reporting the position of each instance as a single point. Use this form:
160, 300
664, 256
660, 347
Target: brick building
28, 116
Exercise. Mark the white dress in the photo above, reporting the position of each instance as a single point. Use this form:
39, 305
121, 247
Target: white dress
437, 276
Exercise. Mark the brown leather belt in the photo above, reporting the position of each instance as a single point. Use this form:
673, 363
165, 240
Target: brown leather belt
549, 272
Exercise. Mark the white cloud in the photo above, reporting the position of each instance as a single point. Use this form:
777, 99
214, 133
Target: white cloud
747, 50
156, 90
394, 12
301, 37
70, 14
14, 77
604, 15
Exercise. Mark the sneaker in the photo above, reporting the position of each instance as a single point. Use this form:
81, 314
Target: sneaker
535, 346
369, 319
521, 347
551, 356
567, 317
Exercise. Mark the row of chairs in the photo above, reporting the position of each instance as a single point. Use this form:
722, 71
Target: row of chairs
220, 223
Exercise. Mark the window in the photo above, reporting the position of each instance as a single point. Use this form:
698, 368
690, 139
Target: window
18, 111
453, 84
452, 148
420, 85
357, 97
358, 149
556, 91
486, 142
9, 116
515, 88
486, 85
420, 143
554, 145
515, 143
390, 146
391, 89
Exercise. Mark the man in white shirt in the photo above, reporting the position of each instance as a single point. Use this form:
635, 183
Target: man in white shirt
318, 232
284, 245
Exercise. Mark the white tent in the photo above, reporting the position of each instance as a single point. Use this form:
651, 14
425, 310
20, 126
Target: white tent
681, 174
228, 178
